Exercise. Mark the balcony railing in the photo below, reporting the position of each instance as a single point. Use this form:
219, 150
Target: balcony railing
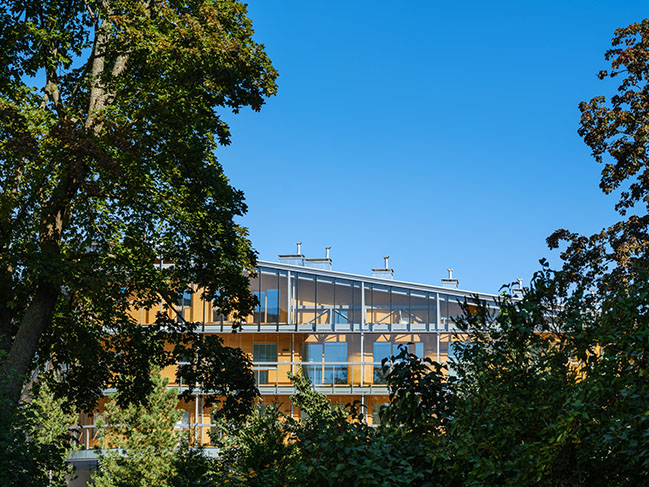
330, 374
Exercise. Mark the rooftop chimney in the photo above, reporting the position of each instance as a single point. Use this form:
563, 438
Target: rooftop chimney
386, 272
320, 263
293, 259
519, 290
450, 282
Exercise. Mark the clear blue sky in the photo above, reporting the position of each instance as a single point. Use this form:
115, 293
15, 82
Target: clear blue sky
442, 134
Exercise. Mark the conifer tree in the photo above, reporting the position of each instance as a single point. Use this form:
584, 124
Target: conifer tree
36, 441
138, 442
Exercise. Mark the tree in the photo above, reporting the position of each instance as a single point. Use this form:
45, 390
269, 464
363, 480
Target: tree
36, 440
138, 443
111, 196
615, 130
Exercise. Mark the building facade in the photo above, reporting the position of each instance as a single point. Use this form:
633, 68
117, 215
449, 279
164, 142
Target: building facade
334, 327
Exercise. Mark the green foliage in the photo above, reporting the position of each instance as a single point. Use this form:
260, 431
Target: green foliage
260, 452
35, 441
420, 395
193, 468
109, 122
329, 446
222, 371
138, 442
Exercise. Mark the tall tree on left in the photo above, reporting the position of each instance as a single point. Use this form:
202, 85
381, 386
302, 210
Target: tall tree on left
111, 196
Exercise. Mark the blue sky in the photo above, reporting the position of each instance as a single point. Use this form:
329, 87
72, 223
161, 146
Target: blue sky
442, 134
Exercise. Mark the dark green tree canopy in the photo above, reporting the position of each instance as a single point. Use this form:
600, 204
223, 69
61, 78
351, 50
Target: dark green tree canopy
616, 131
110, 192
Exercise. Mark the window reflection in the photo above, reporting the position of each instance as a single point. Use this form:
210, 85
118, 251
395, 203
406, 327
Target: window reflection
312, 352
264, 352
305, 297
328, 361
344, 302
283, 300
269, 297
400, 314
387, 346
335, 352
380, 304
325, 300
419, 307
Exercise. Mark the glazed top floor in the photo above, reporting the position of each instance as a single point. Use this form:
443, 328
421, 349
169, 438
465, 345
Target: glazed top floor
300, 298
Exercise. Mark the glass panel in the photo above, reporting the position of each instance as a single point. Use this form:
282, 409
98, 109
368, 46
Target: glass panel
380, 304
269, 296
454, 309
344, 302
325, 297
368, 304
444, 340
283, 300
419, 307
335, 352
185, 299
443, 311
432, 309
381, 351
356, 316
264, 352
400, 306
429, 341
305, 298
312, 352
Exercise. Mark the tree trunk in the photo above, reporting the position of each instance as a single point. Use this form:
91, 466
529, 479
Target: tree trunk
24, 347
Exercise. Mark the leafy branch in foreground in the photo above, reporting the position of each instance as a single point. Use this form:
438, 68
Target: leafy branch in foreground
111, 196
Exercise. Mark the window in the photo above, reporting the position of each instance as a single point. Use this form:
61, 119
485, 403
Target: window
312, 352
382, 350
335, 352
184, 303
264, 352
380, 304
344, 302
269, 297
325, 300
261, 307
305, 298
185, 299
323, 354
400, 314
